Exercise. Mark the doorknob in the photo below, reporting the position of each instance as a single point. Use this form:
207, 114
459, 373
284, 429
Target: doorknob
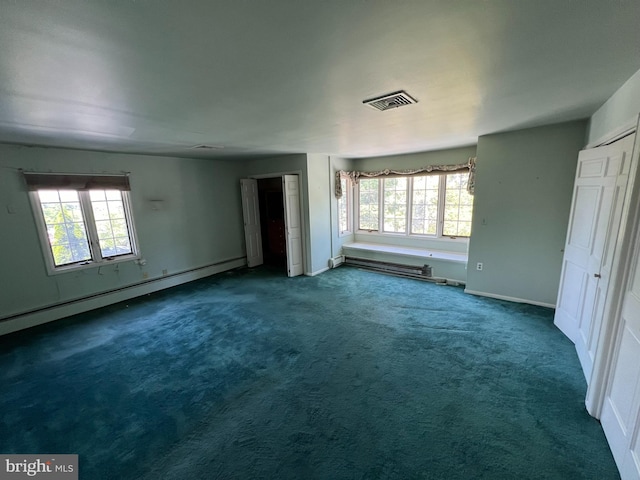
597, 275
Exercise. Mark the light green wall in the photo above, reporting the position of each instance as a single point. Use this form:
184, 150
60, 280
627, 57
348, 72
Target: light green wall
198, 222
414, 160
318, 170
521, 209
622, 107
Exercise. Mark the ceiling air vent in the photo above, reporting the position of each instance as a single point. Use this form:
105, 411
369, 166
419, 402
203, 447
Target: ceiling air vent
391, 100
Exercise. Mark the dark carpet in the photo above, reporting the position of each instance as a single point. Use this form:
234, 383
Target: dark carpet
347, 375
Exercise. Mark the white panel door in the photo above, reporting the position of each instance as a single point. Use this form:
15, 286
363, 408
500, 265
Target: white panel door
293, 224
598, 195
621, 410
251, 214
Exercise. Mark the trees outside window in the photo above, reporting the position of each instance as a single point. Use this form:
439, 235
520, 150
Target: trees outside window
369, 204
424, 205
84, 227
435, 205
66, 229
458, 207
395, 204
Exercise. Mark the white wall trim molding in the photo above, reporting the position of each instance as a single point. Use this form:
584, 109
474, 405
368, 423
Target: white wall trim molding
317, 272
509, 299
262, 176
622, 131
54, 312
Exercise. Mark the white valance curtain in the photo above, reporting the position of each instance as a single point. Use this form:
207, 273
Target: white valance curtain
470, 166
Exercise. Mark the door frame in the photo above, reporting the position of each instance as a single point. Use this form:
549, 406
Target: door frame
303, 213
605, 350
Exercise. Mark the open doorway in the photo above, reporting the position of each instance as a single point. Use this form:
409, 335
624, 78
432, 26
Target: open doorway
272, 227
273, 219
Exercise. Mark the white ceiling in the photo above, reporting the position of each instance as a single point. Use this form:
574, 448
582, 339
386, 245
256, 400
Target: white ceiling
263, 77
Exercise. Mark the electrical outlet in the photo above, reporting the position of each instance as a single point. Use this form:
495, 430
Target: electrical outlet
145, 274
165, 272
479, 266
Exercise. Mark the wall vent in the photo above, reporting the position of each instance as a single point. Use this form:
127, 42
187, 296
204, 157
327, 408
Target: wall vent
391, 100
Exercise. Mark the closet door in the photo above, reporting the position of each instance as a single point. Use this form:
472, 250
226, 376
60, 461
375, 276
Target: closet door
293, 224
251, 214
598, 197
621, 410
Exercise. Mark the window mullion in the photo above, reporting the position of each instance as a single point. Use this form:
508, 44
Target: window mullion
442, 184
90, 225
349, 205
409, 207
356, 207
381, 205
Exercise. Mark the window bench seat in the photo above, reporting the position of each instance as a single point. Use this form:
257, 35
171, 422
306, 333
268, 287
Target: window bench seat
350, 249
444, 265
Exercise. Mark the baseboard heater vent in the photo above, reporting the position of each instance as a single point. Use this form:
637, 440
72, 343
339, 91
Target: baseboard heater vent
423, 273
336, 261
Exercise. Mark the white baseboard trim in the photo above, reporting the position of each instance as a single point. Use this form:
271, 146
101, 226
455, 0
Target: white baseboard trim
317, 272
73, 307
510, 299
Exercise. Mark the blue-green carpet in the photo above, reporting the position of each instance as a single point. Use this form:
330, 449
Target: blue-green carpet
347, 375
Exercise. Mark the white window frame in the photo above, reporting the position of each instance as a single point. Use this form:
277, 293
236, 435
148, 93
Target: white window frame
381, 204
409, 214
440, 217
347, 197
97, 260
356, 207
442, 191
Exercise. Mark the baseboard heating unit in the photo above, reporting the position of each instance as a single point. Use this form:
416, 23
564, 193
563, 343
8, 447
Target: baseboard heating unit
422, 273
335, 262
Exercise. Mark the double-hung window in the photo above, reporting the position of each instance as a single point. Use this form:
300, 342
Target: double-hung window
436, 205
83, 220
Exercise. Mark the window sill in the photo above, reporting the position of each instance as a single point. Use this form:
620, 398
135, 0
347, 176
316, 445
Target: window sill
84, 266
413, 236
422, 253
